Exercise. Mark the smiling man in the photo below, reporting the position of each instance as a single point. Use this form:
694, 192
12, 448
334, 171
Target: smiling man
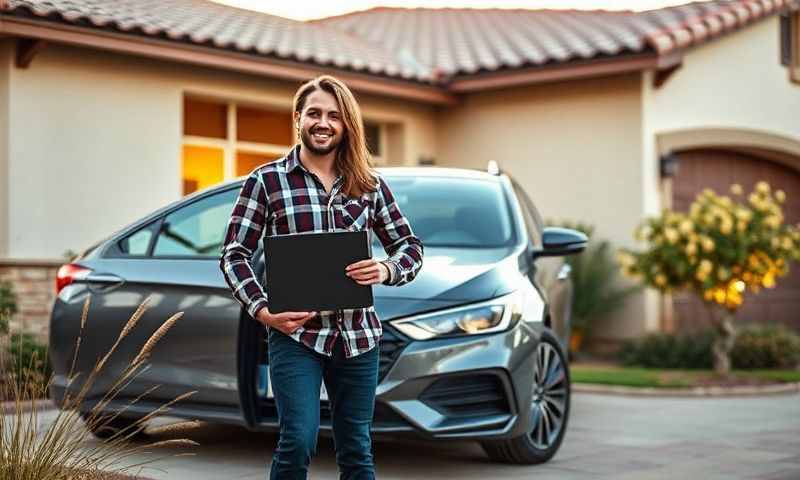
325, 183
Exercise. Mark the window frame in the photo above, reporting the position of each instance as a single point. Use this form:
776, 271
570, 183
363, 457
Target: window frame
529, 209
789, 43
230, 145
115, 251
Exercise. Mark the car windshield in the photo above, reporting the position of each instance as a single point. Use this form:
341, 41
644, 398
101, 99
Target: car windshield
454, 212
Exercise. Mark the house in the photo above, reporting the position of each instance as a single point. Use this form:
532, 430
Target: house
110, 109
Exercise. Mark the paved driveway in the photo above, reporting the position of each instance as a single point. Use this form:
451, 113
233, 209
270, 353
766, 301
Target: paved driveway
608, 437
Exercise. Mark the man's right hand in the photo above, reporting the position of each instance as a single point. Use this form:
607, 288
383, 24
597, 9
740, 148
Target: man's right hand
286, 322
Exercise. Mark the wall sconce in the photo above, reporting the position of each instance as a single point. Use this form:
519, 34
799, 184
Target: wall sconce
668, 164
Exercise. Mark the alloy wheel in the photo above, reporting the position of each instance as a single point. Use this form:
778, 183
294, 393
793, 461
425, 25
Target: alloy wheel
549, 402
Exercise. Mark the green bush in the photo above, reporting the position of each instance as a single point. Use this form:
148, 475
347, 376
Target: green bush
664, 350
8, 304
766, 346
594, 273
28, 359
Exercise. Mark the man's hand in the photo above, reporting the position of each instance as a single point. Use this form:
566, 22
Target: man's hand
368, 272
286, 322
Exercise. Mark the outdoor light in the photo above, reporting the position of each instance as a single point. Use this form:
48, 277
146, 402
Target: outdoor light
668, 164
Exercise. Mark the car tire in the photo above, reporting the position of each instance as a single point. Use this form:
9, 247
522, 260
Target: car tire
104, 428
539, 445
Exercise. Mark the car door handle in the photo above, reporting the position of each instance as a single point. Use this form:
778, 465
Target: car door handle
563, 273
105, 278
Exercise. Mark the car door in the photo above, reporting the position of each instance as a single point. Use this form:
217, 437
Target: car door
552, 274
176, 259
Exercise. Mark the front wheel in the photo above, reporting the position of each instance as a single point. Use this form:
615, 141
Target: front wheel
550, 404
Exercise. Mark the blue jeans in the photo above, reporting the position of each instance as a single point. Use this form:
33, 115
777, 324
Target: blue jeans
296, 372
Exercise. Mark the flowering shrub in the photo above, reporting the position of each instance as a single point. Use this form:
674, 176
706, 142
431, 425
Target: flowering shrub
719, 249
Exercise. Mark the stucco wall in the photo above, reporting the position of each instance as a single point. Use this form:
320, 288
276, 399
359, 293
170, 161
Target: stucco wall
5, 65
576, 147
736, 82
96, 137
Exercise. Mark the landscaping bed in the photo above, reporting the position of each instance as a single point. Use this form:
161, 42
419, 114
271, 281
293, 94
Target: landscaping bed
614, 374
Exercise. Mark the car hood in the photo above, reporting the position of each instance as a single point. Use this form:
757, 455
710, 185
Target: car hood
449, 277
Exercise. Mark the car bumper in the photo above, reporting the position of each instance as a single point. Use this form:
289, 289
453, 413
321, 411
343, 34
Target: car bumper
477, 387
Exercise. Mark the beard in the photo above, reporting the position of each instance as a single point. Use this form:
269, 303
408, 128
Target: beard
308, 142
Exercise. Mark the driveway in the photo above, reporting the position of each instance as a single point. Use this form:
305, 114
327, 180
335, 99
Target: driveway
608, 437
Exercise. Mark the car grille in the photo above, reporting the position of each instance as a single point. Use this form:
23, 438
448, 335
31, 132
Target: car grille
467, 396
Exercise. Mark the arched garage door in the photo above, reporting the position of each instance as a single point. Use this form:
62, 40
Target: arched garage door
718, 169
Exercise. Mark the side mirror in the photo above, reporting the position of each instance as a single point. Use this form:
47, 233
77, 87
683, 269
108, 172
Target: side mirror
558, 241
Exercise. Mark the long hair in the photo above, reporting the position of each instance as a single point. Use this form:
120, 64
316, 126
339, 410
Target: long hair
352, 156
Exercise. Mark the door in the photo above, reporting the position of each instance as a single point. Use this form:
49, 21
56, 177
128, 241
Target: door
718, 169
176, 259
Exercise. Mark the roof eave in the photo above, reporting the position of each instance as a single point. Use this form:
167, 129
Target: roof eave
562, 71
218, 58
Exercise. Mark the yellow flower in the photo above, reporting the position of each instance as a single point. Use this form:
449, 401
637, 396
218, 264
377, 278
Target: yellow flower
726, 228
694, 210
707, 244
705, 266
775, 242
780, 196
787, 245
741, 226
768, 280
671, 235
686, 227
708, 295
772, 221
762, 187
661, 280
743, 214
736, 189
691, 249
700, 275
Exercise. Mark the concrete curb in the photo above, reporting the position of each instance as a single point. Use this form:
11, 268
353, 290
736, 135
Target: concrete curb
745, 390
42, 404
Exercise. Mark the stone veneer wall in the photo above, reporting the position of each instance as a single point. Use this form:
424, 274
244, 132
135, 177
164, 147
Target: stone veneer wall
34, 284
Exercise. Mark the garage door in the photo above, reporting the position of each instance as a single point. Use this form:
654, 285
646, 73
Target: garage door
718, 169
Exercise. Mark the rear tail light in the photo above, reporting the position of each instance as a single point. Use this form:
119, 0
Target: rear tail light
68, 273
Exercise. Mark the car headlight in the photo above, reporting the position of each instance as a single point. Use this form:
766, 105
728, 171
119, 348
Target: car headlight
485, 317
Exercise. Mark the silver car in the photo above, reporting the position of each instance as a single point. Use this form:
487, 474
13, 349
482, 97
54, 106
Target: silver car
473, 348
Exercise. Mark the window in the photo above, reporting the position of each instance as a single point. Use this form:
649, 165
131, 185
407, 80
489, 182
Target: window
225, 140
533, 221
137, 243
790, 43
375, 134
196, 229
454, 212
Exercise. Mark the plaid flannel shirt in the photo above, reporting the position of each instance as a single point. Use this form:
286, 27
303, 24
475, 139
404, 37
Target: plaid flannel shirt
283, 197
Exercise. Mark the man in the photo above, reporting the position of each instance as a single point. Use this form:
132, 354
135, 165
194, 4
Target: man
325, 183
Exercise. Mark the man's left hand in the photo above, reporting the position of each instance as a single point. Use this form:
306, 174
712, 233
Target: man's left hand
368, 272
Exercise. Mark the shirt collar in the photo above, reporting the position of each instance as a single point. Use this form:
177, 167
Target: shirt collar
293, 162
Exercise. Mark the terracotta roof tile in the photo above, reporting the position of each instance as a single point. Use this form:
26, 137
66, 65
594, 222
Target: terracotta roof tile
220, 26
427, 45
472, 40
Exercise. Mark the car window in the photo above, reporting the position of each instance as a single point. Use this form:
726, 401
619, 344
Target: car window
196, 229
136, 243
531, 216
455, 212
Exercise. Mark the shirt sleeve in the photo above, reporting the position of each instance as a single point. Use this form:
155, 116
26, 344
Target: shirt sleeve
405, 250
241, 238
